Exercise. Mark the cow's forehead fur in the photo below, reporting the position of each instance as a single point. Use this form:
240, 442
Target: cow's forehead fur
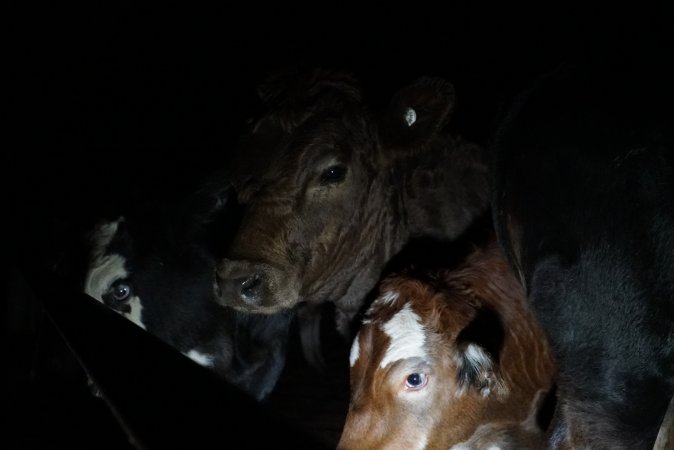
288, 121
440, 314
427, 300
311, 113
291, 98
274, 151
407, 337
392, 330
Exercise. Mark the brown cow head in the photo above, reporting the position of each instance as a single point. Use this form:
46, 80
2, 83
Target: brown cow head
321, 184
418, 378
443, 360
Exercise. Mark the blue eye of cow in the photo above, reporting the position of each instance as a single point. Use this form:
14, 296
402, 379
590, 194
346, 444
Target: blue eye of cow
120, 291
416, 381
333, 174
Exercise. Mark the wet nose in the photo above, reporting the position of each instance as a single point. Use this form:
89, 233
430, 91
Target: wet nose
237, 284
245, 290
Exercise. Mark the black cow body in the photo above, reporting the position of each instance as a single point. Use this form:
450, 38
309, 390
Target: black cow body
583, 201
158, 272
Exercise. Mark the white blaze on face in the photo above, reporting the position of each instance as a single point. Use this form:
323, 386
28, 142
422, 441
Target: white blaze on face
200, 358
407, 337
355, 350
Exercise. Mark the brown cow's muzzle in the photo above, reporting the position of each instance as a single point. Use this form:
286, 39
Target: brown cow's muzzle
253, 287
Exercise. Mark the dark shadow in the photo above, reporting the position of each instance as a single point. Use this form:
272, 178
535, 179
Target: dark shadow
160, 398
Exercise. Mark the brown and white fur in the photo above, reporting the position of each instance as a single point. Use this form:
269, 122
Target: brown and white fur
458, 361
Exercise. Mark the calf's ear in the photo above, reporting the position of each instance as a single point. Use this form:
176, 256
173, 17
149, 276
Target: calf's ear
478, 349
417, 113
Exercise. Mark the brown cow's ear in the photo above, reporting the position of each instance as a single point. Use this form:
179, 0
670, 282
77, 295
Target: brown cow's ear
479, 348
417, 113
478, 370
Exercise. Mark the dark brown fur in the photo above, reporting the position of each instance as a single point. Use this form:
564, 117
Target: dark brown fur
306, 238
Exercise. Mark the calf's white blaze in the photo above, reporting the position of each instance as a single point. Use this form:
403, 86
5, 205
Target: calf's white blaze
407, 337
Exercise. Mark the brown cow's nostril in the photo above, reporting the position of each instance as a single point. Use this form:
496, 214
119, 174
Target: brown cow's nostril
250, 289
236, 290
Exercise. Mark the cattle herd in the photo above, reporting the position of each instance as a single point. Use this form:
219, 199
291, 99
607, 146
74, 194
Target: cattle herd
515, 295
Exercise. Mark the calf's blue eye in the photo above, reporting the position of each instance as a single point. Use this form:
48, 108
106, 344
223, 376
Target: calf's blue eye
416, 381
120, 291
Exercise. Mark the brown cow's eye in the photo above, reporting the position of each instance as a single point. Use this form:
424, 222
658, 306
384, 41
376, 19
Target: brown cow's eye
333, 174
416, 381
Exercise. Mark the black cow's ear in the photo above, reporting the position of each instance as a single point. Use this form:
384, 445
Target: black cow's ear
109, 235
478, 347
124, 232
107, 230
417, 112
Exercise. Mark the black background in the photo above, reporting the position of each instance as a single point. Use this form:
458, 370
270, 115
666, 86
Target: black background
110, 101
120, 103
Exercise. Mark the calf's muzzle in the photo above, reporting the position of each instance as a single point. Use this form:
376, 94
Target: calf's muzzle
249, 287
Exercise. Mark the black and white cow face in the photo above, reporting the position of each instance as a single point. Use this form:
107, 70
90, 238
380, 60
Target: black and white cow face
107, 278
162, 281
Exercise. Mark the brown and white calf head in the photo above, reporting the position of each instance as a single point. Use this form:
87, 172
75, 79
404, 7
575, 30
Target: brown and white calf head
322, 181
435, 360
